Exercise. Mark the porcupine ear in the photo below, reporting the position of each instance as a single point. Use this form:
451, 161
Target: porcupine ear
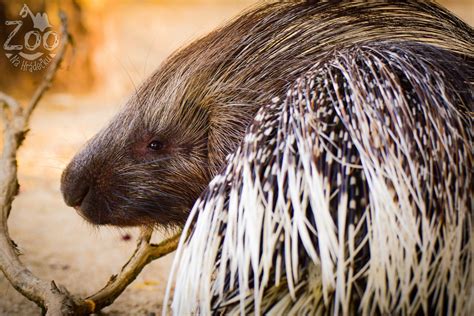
225, 130
331, 175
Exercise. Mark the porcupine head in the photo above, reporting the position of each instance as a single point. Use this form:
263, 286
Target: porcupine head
156, 156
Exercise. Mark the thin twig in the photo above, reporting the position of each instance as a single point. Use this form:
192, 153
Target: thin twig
53, 68
144, 254
11, 103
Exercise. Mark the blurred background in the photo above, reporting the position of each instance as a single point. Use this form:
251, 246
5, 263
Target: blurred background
117, 44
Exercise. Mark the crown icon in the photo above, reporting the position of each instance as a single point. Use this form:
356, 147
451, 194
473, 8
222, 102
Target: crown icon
40, 21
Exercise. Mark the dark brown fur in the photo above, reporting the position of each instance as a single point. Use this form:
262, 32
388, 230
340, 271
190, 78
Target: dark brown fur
198, 104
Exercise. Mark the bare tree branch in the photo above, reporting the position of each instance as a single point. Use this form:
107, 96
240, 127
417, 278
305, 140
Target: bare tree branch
45, 294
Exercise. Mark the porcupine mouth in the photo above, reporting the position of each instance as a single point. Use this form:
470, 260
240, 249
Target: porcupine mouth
91, 209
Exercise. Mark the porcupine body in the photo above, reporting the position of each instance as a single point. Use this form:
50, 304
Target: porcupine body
351, 191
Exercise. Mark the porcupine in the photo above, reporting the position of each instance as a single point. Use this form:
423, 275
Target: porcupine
348, 182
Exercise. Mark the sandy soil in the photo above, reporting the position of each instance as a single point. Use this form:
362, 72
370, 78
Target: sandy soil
57, 244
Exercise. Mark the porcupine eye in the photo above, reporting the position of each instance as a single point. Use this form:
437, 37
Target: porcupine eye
155, 145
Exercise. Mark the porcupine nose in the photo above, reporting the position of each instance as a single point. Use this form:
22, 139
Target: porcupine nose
75, 184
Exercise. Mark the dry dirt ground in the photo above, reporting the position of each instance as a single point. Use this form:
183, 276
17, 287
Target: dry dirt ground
57, 244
